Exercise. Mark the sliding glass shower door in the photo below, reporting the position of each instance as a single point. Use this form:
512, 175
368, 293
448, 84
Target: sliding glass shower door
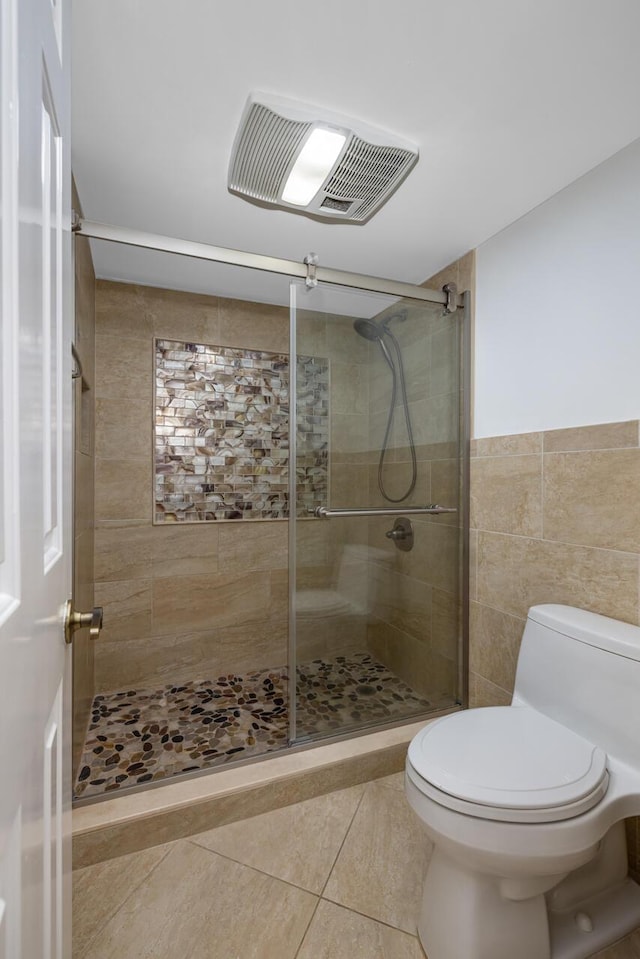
376, 525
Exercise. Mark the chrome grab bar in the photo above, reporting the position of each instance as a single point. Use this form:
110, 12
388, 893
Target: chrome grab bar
323, 512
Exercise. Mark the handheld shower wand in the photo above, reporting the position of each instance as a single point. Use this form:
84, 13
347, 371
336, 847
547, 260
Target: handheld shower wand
371, 331
376, 333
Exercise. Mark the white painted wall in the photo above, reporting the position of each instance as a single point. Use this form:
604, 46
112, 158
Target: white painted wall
558, 308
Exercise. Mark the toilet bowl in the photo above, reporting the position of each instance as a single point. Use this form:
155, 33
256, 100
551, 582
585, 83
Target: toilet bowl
525, 803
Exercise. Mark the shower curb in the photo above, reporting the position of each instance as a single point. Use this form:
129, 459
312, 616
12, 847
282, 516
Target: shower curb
130, 823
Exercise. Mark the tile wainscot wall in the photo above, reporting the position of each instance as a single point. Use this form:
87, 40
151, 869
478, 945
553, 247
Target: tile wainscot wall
555, 518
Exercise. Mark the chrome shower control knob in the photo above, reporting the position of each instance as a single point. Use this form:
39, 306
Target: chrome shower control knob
401, 534
396, 534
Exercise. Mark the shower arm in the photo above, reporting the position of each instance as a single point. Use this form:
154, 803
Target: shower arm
323, 512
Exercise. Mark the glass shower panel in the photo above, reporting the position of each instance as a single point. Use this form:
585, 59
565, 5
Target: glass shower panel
375, 572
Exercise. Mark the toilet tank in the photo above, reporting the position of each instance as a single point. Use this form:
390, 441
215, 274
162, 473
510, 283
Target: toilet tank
583, 670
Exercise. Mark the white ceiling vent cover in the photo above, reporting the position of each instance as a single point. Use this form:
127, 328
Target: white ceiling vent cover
274, 161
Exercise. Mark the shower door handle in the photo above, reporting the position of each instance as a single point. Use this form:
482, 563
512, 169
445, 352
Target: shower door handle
323, 512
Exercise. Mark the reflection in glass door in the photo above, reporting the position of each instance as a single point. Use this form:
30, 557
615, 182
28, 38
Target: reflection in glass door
376, 531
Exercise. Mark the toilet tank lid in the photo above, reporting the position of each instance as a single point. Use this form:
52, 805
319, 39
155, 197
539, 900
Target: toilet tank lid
617, 637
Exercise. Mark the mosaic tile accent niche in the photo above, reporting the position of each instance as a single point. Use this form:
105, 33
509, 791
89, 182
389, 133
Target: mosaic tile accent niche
222, 433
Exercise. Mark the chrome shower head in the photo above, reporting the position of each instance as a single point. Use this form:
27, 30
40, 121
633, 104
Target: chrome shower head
368, 329
371, 331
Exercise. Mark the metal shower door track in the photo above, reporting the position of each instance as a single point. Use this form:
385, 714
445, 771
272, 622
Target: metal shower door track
256, 261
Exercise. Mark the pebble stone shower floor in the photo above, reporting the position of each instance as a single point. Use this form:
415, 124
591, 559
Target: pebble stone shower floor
143, 735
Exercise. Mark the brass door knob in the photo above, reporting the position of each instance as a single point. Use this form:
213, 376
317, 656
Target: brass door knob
74, 620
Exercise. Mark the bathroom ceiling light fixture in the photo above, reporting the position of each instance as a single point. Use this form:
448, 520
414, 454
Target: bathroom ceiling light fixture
313, 165
299, 157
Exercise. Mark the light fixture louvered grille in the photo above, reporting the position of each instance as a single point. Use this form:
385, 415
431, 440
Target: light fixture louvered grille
368, 172
265, 153
272, 135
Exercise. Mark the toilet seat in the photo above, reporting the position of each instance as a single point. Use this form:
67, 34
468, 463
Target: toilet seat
508, 764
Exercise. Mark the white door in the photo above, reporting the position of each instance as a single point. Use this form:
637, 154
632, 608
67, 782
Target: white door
35, 479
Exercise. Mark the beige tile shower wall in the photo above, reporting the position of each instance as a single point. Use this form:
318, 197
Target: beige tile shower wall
348, 555
180, 602
331, 555
84, 410
415, 596
555, 518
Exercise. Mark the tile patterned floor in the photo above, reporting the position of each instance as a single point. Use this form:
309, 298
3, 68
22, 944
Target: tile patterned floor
139, 736
337, 877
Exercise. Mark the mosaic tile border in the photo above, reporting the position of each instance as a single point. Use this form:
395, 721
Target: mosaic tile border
145, 735
222, 432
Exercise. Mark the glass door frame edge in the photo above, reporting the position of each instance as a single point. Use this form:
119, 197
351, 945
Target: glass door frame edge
465, 500
292, 528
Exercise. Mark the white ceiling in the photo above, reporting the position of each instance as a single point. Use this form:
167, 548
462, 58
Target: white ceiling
509, 101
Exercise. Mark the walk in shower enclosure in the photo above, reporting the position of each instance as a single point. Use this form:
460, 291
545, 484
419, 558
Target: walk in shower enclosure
375, 574
346, 443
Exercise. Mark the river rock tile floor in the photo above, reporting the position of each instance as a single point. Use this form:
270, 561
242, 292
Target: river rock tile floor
140, 736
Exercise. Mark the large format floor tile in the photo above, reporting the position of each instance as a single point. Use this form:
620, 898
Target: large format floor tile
298, 843
258, 889
338, 933
628, 948
204, 906
100, 890
395, 781
381, 866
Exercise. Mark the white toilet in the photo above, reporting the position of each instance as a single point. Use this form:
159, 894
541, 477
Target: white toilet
525, 803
